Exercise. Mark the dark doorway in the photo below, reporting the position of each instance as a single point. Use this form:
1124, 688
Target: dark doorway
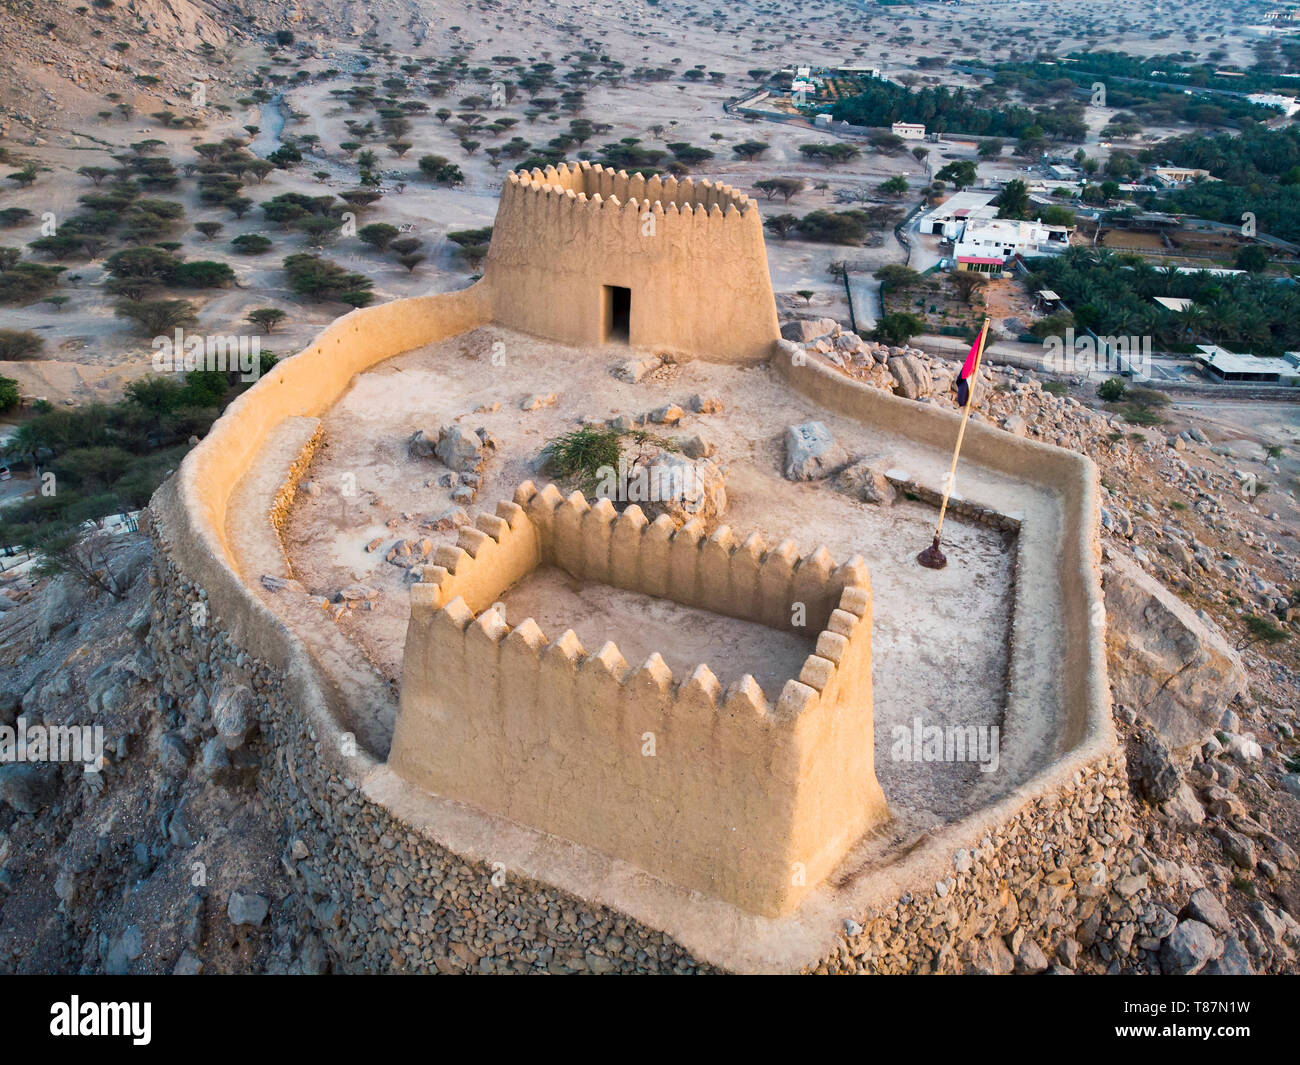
618, 317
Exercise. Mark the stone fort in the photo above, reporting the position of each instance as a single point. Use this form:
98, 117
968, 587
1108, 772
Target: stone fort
512, 779
585, 255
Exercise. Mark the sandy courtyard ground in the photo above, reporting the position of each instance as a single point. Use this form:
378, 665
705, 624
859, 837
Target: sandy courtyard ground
940, 639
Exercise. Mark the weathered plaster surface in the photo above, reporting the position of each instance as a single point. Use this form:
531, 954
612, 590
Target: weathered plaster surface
748, 796
691, 253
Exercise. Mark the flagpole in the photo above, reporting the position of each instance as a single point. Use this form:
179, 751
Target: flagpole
932, 557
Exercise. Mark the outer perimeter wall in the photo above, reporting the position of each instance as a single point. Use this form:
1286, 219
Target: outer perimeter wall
690, 255
399, 880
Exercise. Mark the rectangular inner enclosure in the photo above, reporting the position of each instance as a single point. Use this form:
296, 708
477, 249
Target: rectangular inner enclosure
618, 314
642, 624
547, 728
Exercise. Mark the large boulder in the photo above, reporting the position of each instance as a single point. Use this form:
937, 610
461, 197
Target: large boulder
420, 445
668, 482
911, 376
803, 330
811, 452
62, 602
234, 710
1159, 778
866, 481
1173, 669
459, 448
247, 908
1188, 949
27, 788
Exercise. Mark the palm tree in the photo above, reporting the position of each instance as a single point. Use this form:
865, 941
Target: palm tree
1079, 255
23, 445
1220, 320
1190, 320
1144, 278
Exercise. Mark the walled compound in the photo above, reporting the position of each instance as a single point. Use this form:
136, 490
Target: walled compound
411, 861
769, 784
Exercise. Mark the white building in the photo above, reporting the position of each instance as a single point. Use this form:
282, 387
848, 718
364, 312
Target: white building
857, 70
950, 217
1286, 104
911, 131
1174, 176
1228, 366
983, 238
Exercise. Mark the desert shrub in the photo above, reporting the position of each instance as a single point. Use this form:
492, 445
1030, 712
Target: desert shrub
156, 317
378, 234
17, 345
152, 265
896, 275
9, 395
1262, 630
1112, 390
835, 227
1148, 397
312, 275
1054, 325
583, 452
440, 169
28, 282
202, 274
898, 327
251, 243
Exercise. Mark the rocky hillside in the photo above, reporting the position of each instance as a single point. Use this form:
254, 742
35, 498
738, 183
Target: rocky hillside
160, 860
62, 60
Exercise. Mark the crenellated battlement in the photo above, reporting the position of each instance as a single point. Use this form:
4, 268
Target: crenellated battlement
572, 241
602, 187
749, 795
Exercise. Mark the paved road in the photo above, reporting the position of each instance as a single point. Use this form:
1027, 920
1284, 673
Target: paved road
864, 292
864, 289
1008, 352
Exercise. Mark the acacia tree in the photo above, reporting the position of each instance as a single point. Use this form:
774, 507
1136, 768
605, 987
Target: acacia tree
156, 317
85, 558
266, 318
782, 224
786, 188
967, 283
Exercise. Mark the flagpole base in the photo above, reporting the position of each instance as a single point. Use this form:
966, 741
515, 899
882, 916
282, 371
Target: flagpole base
932, 557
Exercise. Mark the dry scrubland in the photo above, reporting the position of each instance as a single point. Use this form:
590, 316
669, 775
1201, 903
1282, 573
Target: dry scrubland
52, 121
